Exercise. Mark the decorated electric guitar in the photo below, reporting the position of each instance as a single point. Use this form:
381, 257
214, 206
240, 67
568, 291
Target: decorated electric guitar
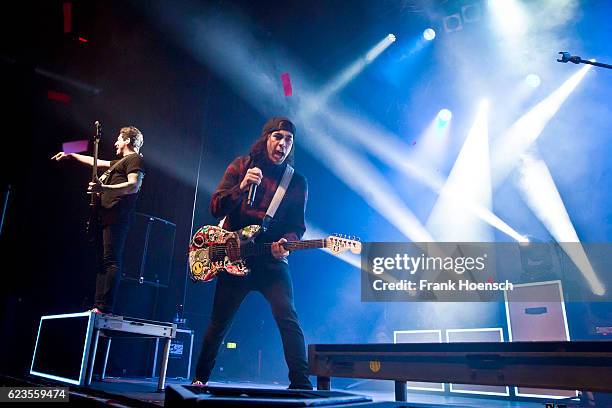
213, 250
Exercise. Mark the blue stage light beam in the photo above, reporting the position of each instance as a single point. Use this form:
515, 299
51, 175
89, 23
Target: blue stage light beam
314, 232
430, 149
509, 147
365, 179
470, 176
390, 149
340, 81
541, 195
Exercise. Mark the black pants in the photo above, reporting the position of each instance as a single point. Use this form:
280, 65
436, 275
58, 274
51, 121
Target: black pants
273, 280
109, 261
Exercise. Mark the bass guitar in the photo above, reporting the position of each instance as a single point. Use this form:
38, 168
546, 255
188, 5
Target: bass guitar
213, 250
91, 226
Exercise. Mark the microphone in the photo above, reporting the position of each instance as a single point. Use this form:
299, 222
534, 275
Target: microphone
252, 188
567, 57
251, 196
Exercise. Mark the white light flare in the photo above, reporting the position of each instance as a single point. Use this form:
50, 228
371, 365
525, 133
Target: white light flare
470, 176
429, 34
366, 180
509, 17
509, 148
541, 195
395, 153
533, 80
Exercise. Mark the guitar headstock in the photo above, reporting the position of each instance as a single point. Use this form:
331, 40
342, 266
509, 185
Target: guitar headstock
338, 243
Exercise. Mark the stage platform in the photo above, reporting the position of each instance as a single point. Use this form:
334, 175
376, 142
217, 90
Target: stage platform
583, 366
142, 392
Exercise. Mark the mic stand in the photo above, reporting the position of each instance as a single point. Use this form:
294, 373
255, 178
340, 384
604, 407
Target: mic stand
566, 57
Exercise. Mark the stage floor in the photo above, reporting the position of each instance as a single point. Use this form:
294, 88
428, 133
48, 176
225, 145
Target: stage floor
144, 389
142, 392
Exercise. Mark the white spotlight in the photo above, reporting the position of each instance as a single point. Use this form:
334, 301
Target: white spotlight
429, 34
533, 80
445, 115
509, 15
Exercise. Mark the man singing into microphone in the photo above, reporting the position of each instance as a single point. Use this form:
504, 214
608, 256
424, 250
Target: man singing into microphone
243, 196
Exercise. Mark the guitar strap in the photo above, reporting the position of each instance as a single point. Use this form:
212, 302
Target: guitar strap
107, 173
278, 196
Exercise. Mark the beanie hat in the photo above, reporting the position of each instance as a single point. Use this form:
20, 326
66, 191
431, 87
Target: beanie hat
278, 123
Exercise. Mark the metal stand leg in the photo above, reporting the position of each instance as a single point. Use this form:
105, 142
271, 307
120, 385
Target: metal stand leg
401, 392
108, 344
155, 358
161, 384
92, 356
323, 383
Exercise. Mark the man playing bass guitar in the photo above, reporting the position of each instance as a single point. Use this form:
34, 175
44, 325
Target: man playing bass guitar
263, 167
119, 188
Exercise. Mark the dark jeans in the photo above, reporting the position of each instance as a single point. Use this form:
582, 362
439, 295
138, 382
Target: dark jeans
109, 261
273, 280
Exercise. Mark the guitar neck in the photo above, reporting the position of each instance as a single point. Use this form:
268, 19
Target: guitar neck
94, 167
266, 248
307, 244
94, 171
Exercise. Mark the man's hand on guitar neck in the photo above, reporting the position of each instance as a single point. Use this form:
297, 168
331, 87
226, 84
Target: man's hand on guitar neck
95, 187
278, 251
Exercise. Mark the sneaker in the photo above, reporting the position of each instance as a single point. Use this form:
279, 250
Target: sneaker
198, 383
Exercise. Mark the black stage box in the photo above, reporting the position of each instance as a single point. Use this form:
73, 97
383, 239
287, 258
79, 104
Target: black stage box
190, 395
151, 245
62, 347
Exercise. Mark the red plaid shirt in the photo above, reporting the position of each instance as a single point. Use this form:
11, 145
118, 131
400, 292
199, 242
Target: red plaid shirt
228, 201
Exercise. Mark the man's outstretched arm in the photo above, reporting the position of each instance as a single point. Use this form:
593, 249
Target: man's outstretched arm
81, 158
